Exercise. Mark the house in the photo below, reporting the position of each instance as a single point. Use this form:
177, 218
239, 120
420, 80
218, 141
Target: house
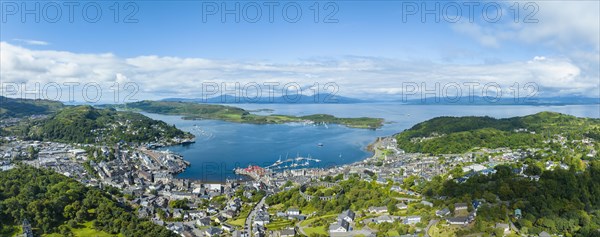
443, 212
220, 219
177, 213
228, 214
144, 212
460, 206
196, 214
214, 187
383, 219
518, 213
377, 210
227, 227
401, 206
463, 220
213, 231
176, 227
293, 212
474, 168
339, 227
503, 226
211, 210
426, 203
347, 215
411, 220
488, 171
262, 218
203, 221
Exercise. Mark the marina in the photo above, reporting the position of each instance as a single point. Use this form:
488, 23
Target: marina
288, 163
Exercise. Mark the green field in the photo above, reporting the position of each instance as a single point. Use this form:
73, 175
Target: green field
241, 218
85, 230
279, 224
319, 229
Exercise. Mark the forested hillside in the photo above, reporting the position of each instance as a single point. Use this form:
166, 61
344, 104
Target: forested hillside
562, 201
461, 134
86, 124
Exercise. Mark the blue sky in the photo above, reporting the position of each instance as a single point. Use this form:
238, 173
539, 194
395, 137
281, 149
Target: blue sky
369, 52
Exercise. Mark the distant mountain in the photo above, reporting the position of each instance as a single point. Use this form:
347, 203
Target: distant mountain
265, 99
336, 99
479, 100
15, 108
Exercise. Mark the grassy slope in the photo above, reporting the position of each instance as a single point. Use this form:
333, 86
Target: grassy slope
85, 230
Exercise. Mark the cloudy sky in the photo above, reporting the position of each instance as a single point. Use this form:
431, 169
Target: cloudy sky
160, 49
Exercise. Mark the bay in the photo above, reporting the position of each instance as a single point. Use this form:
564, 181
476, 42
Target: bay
222, 146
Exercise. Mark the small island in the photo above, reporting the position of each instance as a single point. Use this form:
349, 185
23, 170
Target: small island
194, 111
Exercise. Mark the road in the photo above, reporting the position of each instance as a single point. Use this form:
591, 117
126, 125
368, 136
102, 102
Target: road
248, 225
431, 223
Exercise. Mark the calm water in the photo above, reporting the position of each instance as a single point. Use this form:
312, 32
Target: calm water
222, 146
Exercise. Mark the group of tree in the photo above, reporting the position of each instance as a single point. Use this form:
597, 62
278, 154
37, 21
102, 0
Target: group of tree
357, 195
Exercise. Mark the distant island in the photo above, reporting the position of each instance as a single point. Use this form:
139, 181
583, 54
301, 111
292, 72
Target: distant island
321, 98
191, 110
326, 98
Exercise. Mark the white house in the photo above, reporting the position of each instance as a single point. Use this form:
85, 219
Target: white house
411, 220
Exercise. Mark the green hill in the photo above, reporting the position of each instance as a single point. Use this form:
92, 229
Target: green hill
15, 108
86, 124
444, 135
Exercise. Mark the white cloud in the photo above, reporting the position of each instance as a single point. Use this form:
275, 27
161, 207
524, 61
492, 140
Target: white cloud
562, 24
570, 29
32, 42
160, 77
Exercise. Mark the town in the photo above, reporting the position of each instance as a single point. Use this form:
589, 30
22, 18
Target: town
146, 179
